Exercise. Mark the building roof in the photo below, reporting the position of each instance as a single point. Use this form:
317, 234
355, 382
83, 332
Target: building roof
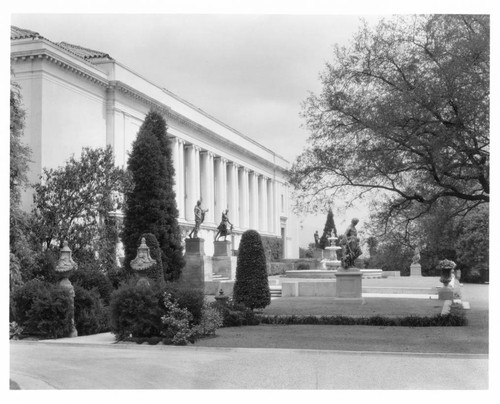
79, 51
84, 53
20, 33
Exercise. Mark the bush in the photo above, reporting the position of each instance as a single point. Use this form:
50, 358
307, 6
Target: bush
90, 315
176, 323
251, 286
211, 320
43, 309
135, 312
90, 278
303, 266
235, 314
190, 299
273, 248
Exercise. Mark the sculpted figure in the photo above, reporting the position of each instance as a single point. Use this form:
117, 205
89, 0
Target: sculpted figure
316, 238
223, 228
199, 217
350, 245
416, 256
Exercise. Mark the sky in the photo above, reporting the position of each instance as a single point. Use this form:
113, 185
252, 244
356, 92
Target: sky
251, 70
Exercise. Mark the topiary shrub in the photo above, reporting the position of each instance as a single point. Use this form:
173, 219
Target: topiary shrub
89, 278
154, 272
251, 287
43, 309
235, 314
90, 314
135, 312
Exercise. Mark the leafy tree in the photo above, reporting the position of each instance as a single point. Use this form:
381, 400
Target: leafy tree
328, 230
150, 205
251, 287
404, 113
74, 202
472, 245
22, 254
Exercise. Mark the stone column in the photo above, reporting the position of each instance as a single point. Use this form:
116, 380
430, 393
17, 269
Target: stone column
233, 194
220, 187
270, 206
192, 180
207, 184
262, 203
181, 177
244, 198
277, 208
179, 173
254, 201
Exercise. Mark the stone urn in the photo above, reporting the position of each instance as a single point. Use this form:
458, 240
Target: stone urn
447, 268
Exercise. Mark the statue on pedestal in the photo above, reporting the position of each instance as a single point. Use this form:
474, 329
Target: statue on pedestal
316, 238
416, 256
350, 245
223, 229
199, 217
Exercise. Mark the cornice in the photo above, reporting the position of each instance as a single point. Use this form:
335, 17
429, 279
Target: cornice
45, 54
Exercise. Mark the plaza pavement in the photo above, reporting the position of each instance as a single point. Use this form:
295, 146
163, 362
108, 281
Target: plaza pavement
353, 357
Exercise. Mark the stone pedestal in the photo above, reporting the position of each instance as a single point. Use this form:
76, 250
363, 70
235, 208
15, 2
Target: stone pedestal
318, 253
445, 293
66, 285
221, 260
222, 248
193, 273
348, 285
415, 270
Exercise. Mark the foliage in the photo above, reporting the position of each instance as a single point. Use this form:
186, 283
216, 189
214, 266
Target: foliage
176, 328
251, 286
91, 277
392, 256
16, 279
273, 248
329, 230
190, 299
472, 245
20, 154
235, 314
415, 87
90, 313
150, 205
43, 309
15, 330
74, 202
211, 320
456, 318
135, 312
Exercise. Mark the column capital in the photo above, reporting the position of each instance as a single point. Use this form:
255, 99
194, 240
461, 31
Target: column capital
245, 169
221, 159
208, 153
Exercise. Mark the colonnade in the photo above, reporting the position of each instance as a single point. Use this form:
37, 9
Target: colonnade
253, 198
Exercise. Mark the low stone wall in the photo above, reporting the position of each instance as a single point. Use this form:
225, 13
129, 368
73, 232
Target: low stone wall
388, 274
311, 289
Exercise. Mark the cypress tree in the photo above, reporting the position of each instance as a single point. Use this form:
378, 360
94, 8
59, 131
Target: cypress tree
251, 286
150, 205
327, 231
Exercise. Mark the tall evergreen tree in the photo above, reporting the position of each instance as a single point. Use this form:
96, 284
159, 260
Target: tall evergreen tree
150, 205
328, 230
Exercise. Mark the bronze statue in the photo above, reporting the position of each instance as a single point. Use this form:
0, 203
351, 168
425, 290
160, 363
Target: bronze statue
199, 217
316, 238
223, 226
350, 245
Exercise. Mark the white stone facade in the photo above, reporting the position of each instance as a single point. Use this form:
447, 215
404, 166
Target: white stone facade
76, 97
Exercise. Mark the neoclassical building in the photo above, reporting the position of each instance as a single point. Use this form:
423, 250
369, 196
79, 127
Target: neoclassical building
76, 97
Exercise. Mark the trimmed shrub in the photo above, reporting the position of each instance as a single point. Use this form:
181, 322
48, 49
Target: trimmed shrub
251, 287
235, 314
43, 309
90, 314
273, 248
135, 312
89, 278
176, 323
